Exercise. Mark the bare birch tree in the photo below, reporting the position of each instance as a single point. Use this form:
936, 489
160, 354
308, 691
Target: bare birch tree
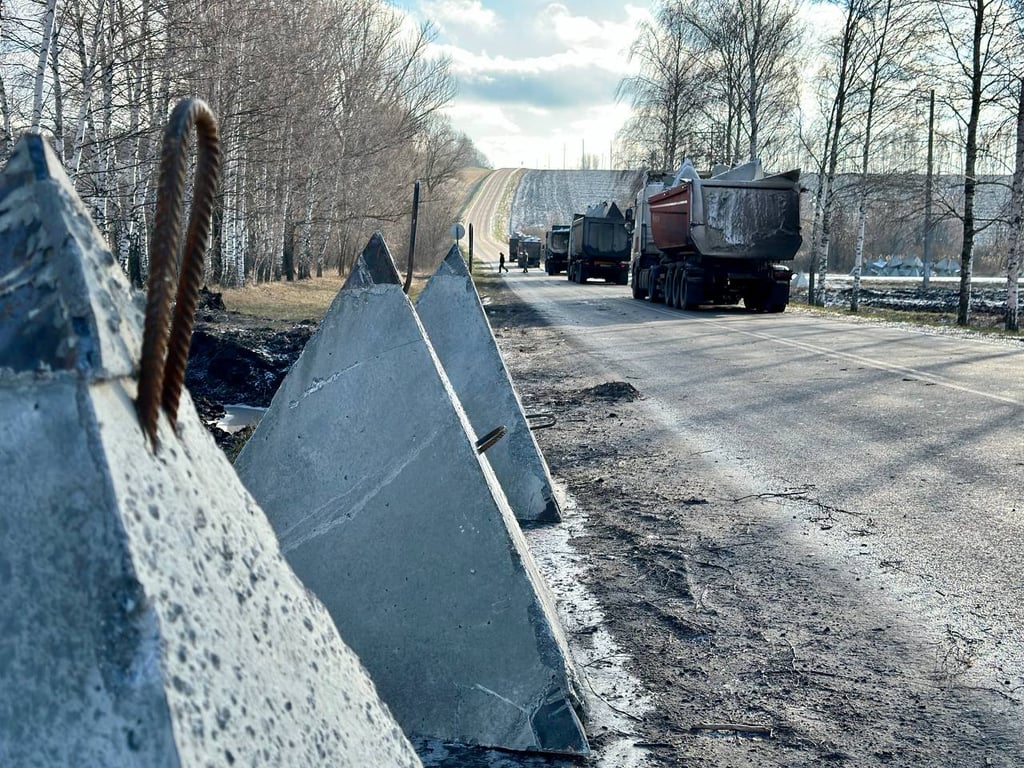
666, 93
845, 49
972, 90
892, 33
44, 53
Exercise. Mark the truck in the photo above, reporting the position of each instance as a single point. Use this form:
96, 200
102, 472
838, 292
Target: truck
524, 250
717, 240
529, 251
599, 245
513, 248
556, 249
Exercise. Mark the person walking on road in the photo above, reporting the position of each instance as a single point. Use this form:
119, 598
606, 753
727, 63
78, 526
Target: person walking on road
501, 263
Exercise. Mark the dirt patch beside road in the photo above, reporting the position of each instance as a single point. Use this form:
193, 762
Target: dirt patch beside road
754, 651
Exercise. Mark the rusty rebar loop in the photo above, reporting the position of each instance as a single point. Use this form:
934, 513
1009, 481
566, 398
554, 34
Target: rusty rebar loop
165, 344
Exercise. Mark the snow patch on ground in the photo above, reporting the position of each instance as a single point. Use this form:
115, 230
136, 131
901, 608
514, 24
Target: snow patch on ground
544, 198
614, 697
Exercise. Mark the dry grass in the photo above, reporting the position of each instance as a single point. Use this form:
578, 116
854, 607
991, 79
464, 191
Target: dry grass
472, 176
309, 299
298, 300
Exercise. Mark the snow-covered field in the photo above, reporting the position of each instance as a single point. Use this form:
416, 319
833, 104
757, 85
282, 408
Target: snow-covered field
544, 198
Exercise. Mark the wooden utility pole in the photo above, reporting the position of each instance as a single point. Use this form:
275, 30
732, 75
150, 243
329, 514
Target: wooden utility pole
412, 235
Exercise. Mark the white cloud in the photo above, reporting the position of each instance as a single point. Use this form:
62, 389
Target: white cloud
535, 82
456, 14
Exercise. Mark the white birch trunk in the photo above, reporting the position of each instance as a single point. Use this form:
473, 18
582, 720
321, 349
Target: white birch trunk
58, 98
5, 122
87, 54
235, 230
858, 257
307, 226
44, 52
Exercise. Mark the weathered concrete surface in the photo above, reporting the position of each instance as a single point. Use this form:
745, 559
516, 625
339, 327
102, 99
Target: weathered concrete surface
147, 617
457, 326
366, 467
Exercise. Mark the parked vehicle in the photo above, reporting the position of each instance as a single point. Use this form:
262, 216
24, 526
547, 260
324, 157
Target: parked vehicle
513, 248
599, 245
716, 240
556, 249
529, 251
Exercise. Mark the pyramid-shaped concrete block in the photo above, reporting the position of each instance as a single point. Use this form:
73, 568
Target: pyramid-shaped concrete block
147, 616
366, 466
451, 311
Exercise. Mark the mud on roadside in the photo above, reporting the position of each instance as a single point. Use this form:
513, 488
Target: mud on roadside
750, 656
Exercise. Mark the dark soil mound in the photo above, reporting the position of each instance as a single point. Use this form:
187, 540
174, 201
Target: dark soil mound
613, 391
239, 360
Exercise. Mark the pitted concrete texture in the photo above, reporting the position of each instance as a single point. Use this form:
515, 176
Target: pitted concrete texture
457, 326
55, 318
147, 617
366, 467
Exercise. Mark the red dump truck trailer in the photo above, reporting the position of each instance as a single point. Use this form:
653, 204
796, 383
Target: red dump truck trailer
717, 240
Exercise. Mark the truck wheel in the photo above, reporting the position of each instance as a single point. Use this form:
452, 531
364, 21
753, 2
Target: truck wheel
677, 289
582, 273
638, 292
775, 308
686, 300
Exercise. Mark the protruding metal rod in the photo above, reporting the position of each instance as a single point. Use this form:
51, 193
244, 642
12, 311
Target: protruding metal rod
541, 420
490, 438
165, 344
471, 247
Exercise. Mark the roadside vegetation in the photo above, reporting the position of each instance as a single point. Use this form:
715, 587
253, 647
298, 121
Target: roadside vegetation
328, 112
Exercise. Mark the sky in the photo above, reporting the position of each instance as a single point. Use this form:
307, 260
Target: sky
537, 78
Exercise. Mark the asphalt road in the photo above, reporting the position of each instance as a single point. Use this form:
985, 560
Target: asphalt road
896, 449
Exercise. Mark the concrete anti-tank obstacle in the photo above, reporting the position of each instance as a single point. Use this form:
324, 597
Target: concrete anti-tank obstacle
457, 327
366, 466
147, 617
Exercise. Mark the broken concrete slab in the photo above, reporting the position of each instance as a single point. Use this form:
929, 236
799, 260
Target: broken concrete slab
366, 467
147, 617
450, 310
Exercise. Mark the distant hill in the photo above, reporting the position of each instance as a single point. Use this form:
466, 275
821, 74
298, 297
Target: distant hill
544, 198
